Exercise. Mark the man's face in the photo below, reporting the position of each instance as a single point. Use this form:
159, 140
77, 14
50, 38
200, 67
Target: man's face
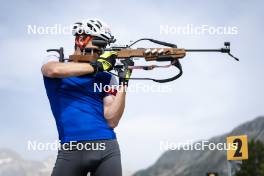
91, 46
85, 42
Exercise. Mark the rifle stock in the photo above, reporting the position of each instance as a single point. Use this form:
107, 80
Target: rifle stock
150, 54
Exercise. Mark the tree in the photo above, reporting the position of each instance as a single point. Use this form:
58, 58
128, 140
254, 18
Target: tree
254, 166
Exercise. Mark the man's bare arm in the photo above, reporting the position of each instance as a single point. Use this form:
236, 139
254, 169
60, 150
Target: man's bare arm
60, 70
114, 107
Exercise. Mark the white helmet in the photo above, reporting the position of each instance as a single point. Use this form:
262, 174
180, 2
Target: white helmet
93, 27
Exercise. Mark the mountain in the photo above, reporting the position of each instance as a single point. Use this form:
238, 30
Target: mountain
197, 163
12, 164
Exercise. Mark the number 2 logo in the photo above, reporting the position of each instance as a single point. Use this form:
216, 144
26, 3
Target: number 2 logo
238, 143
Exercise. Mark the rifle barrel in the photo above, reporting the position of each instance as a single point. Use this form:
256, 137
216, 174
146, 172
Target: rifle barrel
203, 50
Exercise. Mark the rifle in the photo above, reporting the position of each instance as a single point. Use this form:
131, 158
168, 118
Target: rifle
171, 53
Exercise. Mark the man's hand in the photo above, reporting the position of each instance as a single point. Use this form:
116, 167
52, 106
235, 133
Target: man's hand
125, 74
105, 62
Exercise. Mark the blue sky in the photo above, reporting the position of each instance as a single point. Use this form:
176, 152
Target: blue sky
214, 95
